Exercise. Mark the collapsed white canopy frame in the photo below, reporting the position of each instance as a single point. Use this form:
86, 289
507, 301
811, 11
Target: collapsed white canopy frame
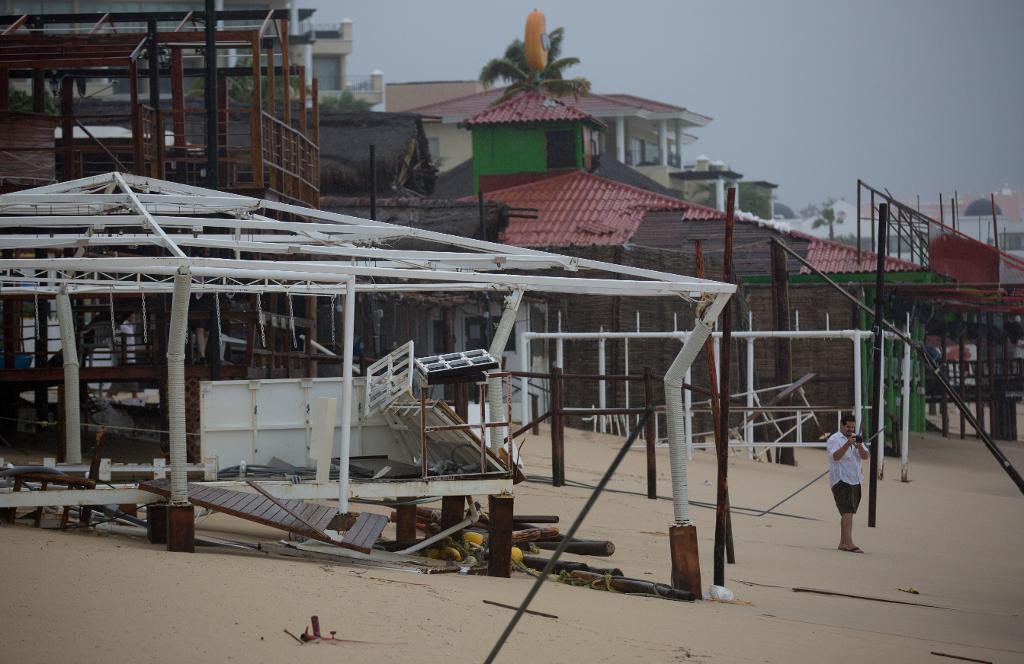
322, 253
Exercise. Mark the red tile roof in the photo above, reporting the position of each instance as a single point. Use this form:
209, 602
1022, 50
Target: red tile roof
834, 257
529, 107
594, 104
581, 209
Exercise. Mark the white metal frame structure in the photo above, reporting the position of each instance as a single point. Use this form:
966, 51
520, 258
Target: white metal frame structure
316, 253
857, 337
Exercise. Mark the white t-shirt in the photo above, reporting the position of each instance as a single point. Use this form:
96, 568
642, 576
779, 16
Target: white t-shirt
847, 469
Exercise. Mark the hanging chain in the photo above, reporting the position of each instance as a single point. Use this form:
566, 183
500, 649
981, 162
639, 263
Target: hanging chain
145, 321
35, 300
334, 340
259, 309
291, 321
113, 326
216, 308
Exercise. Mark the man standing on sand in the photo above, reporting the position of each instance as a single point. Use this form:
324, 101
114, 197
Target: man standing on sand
845, 452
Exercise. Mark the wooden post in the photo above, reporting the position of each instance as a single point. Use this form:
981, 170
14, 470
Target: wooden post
405, 522
961, 368
452, 511
303, 123
181, 528
682, 542
877, 420
979, 404
650, 435
316, 112
256, 118
945, 374
995, 226
178, 97
557, 428
156, 523
286, 73
67, 125
724, 393
5, 89
499, 540
780, 321
993, 400
39, 91
139, 165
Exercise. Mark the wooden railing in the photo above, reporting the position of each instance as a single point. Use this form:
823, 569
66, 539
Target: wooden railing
291, 162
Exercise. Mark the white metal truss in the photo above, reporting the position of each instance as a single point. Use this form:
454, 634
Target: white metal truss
317, 251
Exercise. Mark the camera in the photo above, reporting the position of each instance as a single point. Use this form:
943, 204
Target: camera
859, 438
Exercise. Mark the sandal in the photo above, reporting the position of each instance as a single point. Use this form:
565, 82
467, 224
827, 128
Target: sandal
855, 549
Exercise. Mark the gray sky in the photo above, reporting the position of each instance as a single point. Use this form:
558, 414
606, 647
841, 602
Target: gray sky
919, 96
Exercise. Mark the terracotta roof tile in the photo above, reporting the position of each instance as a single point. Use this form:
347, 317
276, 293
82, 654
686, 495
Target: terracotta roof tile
581, 209
834, 257
529, 107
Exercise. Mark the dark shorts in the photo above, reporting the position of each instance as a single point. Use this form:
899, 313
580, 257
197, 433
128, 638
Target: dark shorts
847, 497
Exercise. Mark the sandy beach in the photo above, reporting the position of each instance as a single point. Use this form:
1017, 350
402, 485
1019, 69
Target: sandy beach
954, 533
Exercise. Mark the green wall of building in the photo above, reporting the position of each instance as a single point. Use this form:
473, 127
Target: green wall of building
508, 149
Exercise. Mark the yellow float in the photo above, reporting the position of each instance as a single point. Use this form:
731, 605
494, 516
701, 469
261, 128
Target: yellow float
535, 43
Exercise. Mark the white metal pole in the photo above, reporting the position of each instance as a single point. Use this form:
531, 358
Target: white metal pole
749, 427
626, 367
496, 385
72, 416
176, 339
688, 414
858, 406
559, 354
349, 325
524, 382
905, 433
602, 388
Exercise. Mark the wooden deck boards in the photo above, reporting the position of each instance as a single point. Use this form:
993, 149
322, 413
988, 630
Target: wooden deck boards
294, 516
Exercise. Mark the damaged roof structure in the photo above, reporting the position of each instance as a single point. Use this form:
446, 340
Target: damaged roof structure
131, 235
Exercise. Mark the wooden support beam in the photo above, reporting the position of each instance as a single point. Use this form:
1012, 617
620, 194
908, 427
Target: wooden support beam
14, 27
156, 523
452, 511
5, 89
286, 72
945, 374
650, 436
557, 427
181, 528
780, 321
303, 126
256, 119
38, 93
499, 562
685, 559
405, 522
178, 97
961, 369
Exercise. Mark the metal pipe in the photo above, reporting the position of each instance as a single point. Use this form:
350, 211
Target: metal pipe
495, 385
349, 334
707, 314
176, 338
72, 416
602, 386
905, 424
212, 179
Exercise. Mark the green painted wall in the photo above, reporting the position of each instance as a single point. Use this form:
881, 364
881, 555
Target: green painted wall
508, 149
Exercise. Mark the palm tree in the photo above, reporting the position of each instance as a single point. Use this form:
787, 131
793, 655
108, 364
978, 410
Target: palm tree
511, 69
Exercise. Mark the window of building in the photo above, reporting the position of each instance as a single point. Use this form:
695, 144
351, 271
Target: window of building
636, 148
561, 146
327, 70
